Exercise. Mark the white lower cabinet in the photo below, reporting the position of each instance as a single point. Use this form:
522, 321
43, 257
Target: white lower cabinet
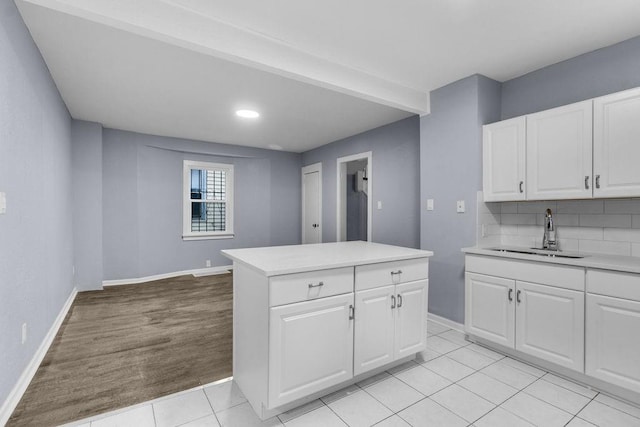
537, 319
311, 347
613, 325
390, 324
489, 308
550, 324
613, 340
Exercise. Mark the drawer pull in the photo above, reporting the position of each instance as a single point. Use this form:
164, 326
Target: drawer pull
393, 302
352, 312
311, 285
399, 300
393, 273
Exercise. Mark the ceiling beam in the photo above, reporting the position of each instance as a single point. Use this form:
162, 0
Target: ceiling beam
175, 24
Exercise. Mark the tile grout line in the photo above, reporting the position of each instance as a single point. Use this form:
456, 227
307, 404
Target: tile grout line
206, 396
582, 409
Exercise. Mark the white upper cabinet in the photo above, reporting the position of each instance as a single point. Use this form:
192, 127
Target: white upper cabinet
559, 153
503, 151
616, 144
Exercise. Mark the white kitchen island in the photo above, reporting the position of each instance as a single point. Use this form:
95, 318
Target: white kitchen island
310, 319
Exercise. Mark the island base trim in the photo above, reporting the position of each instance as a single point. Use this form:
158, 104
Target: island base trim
264, 413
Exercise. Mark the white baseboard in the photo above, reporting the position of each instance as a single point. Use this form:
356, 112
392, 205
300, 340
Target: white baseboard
199, 272
18, 390
446, 322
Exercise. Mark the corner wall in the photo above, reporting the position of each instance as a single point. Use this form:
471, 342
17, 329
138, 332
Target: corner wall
36, 245
451, 170
86, 141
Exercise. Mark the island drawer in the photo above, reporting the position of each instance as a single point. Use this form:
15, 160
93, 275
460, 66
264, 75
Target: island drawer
389, 273
290, 288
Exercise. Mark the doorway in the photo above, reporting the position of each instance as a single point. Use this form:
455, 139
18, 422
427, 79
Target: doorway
312, 203
354, 202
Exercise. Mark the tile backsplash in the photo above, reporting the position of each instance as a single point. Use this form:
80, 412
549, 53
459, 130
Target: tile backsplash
609, 226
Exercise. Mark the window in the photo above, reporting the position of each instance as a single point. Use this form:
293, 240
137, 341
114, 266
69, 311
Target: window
208, 201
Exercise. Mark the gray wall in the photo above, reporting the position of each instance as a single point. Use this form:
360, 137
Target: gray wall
396, 177
36, 247
596, 73
86, 142
142, 202
451, 170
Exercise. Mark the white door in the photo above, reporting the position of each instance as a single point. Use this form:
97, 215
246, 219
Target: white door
374, 328
310, 347
616, 144
613, 344
311, 203
559, 153
490, 308
411, 325
503, 165
550, 324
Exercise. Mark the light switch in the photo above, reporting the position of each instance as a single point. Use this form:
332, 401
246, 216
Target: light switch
460, 207
379, 204
3, 203
429, 204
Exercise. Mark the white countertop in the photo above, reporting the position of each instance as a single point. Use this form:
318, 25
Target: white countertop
276, 260
604, 262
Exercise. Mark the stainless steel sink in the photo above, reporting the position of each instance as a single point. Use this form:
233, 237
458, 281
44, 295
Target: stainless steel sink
540, 252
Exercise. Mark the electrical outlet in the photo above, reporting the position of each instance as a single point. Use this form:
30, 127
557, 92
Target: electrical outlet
24, 333
460, 206
208, 263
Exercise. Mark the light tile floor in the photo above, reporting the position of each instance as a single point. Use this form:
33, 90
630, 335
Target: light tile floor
453, 383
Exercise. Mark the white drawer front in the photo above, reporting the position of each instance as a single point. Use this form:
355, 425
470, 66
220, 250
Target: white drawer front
560, 276
614, 284
389, 273
290, 288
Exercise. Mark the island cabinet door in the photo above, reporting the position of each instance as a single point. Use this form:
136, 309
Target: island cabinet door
310, 347
411, 315
374, 333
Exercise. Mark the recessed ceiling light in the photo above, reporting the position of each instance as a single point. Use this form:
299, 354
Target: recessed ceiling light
248, 114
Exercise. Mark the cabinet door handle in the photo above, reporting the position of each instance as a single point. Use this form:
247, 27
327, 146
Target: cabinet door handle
399, 300
393, 273
510, 294
393, 302
518, 296
352, 312
311, 285
586, 182
597, 181
521, 184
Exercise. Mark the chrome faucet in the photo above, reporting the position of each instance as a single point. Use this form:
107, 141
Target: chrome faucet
549, 240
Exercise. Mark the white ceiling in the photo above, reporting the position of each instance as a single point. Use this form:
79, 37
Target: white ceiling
317, 71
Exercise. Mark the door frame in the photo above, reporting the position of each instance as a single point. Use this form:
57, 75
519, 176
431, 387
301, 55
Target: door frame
341, 194
316, 167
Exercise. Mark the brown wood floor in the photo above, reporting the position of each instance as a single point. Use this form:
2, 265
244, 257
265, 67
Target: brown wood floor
128, 344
